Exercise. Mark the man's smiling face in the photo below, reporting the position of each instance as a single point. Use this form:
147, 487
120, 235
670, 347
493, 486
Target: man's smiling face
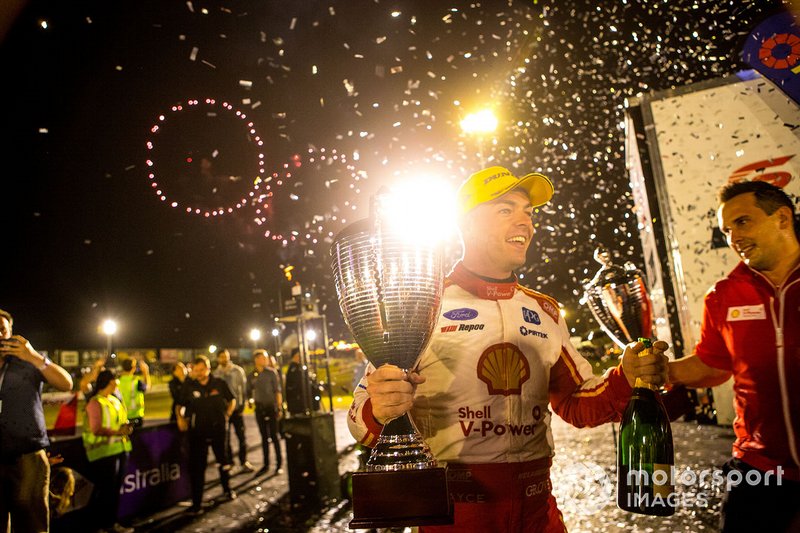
751, 233
497, 235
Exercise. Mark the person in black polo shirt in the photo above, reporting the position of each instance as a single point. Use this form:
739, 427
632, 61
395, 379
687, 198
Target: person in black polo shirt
208, 403
299, 401
264, 390
179, 374
24, 469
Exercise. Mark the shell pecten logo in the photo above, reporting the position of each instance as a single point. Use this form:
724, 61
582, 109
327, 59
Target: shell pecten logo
504, 368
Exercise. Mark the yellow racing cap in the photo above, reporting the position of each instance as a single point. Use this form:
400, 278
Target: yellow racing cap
493, 182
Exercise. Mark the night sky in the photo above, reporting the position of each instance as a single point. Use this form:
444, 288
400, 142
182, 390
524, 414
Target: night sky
344, 96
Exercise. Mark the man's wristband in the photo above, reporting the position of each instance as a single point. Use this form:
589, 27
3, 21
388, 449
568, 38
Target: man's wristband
45, 364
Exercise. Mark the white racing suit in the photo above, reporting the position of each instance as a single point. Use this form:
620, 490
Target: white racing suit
499, 355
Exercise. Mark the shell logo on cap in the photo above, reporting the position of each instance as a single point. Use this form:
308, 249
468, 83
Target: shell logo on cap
504, 368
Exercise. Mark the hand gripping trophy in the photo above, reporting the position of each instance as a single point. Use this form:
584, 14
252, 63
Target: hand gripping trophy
390, 289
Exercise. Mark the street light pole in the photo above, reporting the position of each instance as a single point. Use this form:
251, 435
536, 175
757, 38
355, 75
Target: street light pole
275, 334
255, 336
109, 327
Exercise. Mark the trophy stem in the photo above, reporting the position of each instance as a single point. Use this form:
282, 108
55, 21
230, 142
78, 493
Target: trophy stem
399, 426
400, 447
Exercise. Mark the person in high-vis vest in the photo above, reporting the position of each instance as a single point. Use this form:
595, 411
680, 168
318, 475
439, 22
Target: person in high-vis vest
107, 443
132, 388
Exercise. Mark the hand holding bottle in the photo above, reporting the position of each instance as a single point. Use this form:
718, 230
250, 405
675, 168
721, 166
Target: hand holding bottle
650, 368
645, 454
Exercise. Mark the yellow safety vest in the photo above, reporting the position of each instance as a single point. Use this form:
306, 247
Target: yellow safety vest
131, 395
114, 416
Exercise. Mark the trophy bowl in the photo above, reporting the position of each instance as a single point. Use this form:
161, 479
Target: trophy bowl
390, 291
617, 297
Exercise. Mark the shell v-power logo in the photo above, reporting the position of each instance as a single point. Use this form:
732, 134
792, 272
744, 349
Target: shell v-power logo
504, 368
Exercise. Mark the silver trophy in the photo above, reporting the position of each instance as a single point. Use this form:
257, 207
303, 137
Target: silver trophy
618, 299
390, 293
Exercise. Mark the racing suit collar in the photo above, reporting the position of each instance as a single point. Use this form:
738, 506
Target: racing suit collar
481, 287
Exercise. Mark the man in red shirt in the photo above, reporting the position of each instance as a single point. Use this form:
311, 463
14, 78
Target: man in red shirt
751, 330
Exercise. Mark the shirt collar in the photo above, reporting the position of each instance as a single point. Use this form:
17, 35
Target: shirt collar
482, 287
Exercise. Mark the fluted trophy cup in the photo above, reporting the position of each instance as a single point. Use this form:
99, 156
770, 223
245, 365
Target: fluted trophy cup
617, 297
390, 289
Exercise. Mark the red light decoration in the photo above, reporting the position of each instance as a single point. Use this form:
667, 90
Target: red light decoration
223, 107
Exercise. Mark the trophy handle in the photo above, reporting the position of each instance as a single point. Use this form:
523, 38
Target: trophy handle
614, 304
400, 447
647, 310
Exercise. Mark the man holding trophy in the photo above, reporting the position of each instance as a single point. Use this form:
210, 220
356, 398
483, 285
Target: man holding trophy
498, 356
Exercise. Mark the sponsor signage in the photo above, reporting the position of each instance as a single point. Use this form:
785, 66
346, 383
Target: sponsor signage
157, 474
504, 369
527, 331
773, 49
530, 316
69, 358
462, 327
463, 313
747, 312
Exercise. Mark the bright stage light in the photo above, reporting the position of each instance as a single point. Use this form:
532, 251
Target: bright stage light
255, 334
422, 208
483, 121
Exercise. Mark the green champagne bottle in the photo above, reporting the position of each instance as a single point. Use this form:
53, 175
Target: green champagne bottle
645, 457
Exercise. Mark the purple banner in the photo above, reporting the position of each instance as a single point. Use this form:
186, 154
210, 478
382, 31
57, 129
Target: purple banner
773, 49
157, 474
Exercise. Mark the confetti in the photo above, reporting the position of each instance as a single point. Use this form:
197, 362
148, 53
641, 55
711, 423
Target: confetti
366, 94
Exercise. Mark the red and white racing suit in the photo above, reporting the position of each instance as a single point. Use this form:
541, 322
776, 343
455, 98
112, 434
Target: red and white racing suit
499, 355
752, 328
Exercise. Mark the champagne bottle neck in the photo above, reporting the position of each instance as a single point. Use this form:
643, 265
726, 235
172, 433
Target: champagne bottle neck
642, 384
648, 349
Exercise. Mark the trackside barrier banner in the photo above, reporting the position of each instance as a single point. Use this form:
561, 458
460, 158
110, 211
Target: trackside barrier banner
157, 475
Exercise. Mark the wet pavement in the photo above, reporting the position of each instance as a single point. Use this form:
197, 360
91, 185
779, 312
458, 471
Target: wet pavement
260, 500
584, 481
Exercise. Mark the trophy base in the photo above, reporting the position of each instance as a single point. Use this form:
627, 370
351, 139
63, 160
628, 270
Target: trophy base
401, 498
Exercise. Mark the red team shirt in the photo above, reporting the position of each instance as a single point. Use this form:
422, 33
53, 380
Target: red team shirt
752, 328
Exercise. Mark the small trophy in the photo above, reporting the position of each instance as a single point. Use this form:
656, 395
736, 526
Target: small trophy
390, 290
618, 299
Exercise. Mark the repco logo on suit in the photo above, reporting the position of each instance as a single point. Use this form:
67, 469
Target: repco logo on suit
462, 327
